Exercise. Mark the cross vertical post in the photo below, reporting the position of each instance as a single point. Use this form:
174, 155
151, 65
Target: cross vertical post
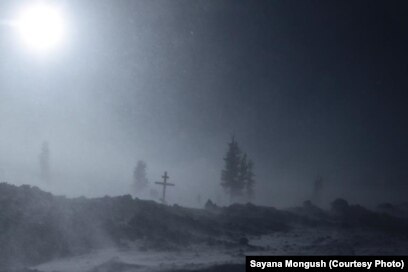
165, 177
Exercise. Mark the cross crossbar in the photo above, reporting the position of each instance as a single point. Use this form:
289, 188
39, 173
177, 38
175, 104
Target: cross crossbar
164, 183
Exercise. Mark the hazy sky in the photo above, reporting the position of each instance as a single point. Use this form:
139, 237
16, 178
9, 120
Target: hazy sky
308, 87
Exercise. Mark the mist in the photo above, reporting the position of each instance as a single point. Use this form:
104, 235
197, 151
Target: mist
170, 83
146, 135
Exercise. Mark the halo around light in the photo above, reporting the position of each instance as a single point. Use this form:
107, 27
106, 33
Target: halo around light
41, 27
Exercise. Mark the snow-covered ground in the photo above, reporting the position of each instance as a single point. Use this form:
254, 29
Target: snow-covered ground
122, 234
113, 259
299, 241
330, 241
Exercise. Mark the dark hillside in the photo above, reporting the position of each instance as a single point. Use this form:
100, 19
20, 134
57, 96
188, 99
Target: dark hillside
36, 226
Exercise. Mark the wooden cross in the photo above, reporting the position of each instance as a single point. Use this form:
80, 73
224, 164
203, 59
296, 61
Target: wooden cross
164, 184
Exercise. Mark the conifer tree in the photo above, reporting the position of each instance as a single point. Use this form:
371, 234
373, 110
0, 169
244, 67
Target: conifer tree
230, 173
250, 180
243, 171
139, 176
237, 177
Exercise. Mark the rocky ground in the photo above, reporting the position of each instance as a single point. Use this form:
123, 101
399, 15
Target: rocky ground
298, 241
44, 233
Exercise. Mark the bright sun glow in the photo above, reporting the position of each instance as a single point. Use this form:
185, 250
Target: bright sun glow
41, 27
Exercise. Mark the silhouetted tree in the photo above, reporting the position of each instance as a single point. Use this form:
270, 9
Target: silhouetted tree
230, 179
44, 159
243, 170
250, 180
139, 176
211, 206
